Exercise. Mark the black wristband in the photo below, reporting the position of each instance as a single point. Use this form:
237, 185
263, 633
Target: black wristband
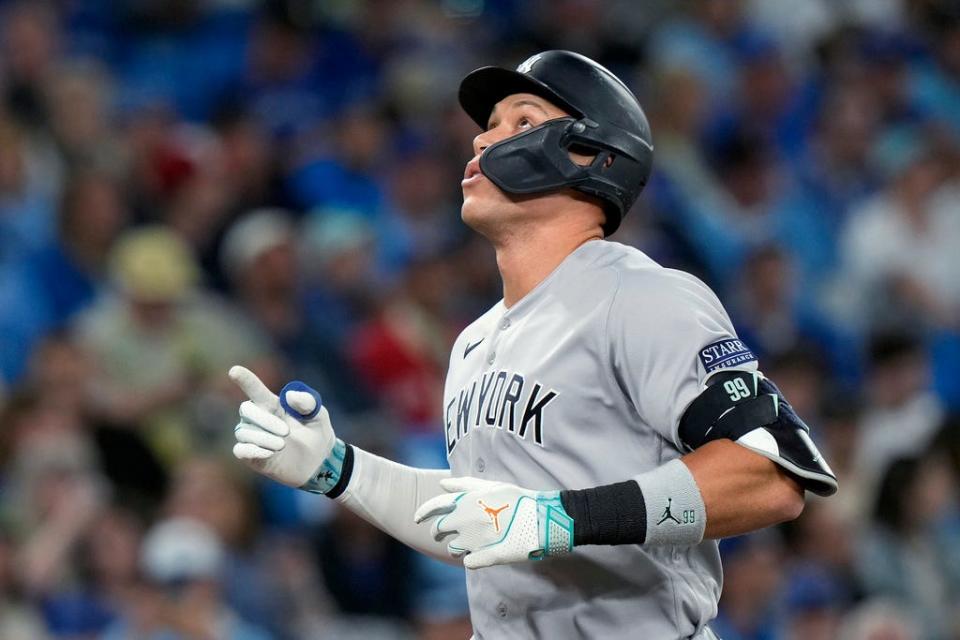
345, 472
611, 514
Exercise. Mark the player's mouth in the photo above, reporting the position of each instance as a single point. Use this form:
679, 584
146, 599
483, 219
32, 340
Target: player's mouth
472, 173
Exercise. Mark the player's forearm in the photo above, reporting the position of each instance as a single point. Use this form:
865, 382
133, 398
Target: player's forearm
742, 490
386, 494
720, 490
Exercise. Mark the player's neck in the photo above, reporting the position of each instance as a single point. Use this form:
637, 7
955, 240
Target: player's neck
525, 260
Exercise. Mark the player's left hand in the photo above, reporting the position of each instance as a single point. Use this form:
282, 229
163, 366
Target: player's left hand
492, 523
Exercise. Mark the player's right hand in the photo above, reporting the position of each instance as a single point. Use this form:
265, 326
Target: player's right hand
286, 438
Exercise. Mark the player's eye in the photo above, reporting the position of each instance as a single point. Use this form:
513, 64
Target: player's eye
524, 123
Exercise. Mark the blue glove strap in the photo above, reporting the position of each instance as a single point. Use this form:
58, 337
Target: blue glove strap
296, 385
327, 475
556, 527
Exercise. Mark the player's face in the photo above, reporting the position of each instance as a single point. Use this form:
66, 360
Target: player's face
485, 206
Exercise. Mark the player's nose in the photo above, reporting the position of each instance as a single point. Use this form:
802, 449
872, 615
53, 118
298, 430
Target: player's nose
480, 142
486, 138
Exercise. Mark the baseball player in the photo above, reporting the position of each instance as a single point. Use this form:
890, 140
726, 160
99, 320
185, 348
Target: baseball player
604, 425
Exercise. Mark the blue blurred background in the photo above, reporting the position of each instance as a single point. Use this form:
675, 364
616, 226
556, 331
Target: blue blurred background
188, 184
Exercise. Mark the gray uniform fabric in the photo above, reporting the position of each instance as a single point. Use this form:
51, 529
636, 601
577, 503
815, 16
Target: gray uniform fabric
582, 383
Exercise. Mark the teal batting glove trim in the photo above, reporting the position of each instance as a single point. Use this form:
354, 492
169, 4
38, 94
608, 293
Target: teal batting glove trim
555, 527
327, 475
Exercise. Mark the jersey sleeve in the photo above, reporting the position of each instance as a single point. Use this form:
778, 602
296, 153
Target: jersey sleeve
667, 334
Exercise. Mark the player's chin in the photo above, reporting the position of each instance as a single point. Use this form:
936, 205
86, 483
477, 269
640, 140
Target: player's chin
481, 214
486, 209
482, 198
475, 210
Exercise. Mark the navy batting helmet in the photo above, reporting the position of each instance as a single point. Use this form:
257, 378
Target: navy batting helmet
607, 121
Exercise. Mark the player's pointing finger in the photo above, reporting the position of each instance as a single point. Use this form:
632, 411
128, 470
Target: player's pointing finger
251, 385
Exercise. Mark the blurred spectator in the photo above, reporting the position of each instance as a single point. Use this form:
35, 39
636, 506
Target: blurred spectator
123, 457
900, 247
936, 80
18, 619
814, 607
199, 195
340, 269
54, 495
298, 73
773, 318
709, 40
111, 552
31, 43
798, 27
910, 554
800, 373
26, 208
421, 218
259, 257
160, 340
208, 491
884, 55
821, 574
947, 441
685, 190
366, 571
48, 287
879, 620
403, 351
753, 577
183, 56
903, 414
181, 596
840, 437
346, 178
743, 213
264, 266
248, 157
79, 99
766, 103
833, 173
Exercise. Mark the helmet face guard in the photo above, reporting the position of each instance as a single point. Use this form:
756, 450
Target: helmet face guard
538, 161
534, 161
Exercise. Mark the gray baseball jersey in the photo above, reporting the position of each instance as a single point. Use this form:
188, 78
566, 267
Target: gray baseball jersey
582, 383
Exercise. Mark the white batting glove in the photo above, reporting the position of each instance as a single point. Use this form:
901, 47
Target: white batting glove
287, 438
497, 523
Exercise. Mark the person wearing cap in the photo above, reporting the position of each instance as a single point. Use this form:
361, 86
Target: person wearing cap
181, 598
262, 255
158, 314
604, 425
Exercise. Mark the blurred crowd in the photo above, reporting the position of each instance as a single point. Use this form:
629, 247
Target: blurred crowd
190, 184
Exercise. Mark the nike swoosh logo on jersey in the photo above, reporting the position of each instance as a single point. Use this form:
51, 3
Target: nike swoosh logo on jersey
471, 347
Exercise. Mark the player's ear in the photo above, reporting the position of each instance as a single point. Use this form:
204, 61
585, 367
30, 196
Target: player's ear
585, 156
581, 155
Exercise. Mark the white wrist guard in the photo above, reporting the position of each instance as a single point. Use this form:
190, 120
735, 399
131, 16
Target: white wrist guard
675, 511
